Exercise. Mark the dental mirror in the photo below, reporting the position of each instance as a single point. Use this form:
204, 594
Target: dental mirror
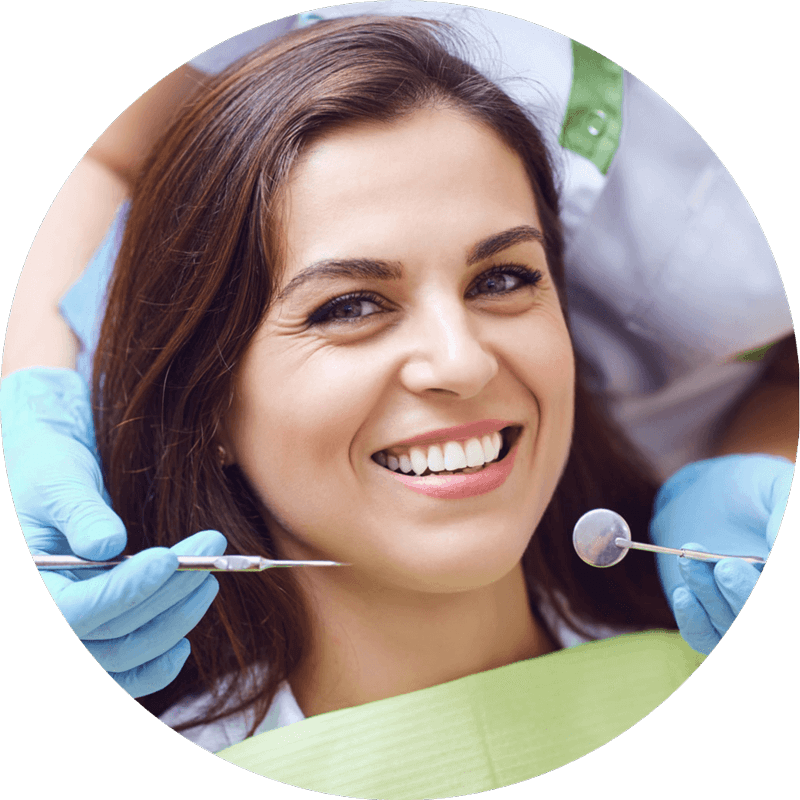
602, 538
595, 534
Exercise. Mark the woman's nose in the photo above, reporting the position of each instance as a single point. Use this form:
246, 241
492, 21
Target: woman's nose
447, 355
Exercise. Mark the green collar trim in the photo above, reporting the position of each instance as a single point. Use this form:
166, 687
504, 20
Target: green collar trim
593, 119
755, 355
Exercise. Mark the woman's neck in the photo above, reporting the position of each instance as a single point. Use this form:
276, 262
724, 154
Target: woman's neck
369, 645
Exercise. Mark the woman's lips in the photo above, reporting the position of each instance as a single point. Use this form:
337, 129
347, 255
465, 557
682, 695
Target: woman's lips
459, 486
458, 432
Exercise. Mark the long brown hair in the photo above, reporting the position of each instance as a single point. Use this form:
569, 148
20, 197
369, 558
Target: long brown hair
196, 272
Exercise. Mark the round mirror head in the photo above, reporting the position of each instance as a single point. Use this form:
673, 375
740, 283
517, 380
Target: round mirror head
594, 534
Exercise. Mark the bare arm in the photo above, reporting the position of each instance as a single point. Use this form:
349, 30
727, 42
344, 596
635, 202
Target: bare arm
77, 221
766, 419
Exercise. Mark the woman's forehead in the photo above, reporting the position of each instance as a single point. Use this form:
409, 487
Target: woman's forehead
436, 175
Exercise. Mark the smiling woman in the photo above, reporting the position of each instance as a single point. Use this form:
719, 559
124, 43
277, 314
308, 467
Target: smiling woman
342, 269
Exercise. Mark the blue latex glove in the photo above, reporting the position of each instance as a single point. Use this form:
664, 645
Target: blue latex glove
732, 504
133, 618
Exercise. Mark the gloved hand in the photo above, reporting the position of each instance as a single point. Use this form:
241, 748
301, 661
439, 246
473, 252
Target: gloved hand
132, 617
733, 504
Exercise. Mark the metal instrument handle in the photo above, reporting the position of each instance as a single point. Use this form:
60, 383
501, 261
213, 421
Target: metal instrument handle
695, 555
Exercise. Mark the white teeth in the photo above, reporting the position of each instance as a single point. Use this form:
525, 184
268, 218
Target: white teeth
435, 458
449, 457
492, 444
419, 461
474, 453
454, 456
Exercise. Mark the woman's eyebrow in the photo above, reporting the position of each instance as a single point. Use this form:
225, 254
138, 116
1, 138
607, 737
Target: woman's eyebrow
344, 268
498, 242
392, 270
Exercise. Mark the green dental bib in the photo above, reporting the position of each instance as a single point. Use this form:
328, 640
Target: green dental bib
481, 732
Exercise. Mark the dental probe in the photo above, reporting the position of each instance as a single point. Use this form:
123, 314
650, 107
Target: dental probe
187, 563
602, 538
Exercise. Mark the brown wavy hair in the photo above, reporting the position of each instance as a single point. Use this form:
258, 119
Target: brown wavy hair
197, 270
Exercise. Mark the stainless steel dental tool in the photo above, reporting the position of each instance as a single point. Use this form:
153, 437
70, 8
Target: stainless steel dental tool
602, 538
187, 563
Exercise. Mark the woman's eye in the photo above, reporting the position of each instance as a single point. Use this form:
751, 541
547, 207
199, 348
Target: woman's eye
347, 308
497, 283
502, 280
356, 307
351, 309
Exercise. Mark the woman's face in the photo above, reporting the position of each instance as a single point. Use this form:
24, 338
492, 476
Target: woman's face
416, 325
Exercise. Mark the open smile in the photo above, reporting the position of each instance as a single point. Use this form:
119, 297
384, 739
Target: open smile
454, 468
452, 456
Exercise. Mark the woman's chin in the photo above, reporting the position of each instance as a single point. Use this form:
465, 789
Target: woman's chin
438, 575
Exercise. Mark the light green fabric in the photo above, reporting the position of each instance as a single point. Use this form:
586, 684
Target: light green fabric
593, 119
481, 732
